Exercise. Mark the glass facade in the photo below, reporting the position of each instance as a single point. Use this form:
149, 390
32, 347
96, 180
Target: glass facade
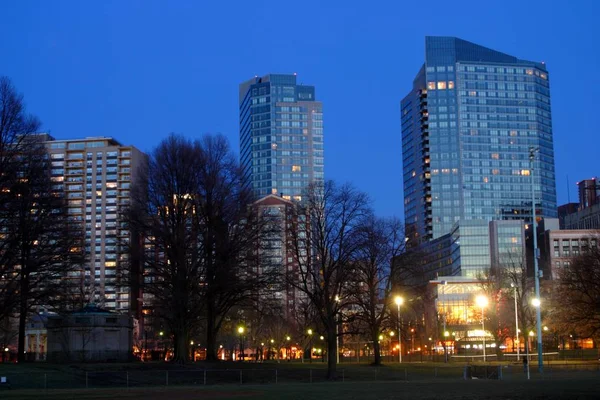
467, 129
281, 135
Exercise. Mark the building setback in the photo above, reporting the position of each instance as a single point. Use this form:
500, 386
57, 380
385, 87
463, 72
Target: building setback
468, 124
281, 135
96, 174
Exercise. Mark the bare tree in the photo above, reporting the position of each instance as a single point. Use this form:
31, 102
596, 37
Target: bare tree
324, 239
576, 297
370, 288
15, 127
191, 209
39, 243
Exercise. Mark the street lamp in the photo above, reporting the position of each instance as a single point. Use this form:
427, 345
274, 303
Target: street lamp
512, 285
337, 339
536, 272
310, 333
241, 332
399, 301
482, 302
287, 338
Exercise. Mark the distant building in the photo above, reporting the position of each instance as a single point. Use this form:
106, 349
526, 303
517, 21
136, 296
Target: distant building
90, 334
468, 125
589, 193
460, 318
565, 210
276, 256
96, 174
587, 214
558, 248
281, 135
36, 336
470, 250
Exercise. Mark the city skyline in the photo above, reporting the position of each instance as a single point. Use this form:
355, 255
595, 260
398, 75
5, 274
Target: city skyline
103, 80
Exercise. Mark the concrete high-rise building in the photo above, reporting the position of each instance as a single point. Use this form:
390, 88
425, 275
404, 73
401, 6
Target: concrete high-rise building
589, 193
281, 135
96, 174
468, 125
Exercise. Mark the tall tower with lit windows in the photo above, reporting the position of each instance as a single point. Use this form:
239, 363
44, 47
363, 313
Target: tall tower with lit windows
96, 174
468, 124
281, 135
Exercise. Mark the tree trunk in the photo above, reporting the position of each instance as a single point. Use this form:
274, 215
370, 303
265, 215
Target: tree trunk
180, 347
22, 318
332, 352
211, 335
376, 348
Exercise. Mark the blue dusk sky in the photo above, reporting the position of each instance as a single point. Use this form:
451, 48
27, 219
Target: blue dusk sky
137, 70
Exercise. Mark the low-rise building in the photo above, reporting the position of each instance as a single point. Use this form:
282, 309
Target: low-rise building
90, 334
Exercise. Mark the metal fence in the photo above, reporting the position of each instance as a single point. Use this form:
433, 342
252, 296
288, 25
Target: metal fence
79, 379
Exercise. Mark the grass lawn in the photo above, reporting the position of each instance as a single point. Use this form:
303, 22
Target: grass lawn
579, 388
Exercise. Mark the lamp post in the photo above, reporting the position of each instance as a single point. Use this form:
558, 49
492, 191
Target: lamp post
444, 283
482, 302
337, 339
391, 348
272, 341
241, 332
310, 333
512, 285
536, 271
537, 304
399, 301
288, 349
161, 344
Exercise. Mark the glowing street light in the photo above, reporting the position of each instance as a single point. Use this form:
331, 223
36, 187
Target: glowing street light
536, 302
241, 332
399, 301
482, 302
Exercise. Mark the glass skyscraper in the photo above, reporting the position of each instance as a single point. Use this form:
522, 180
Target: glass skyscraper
467, 128
281, 135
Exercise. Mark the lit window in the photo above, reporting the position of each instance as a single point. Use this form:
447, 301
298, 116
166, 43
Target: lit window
472, 93
495, 156
431, 85
441, 85
495, 171
513, 133
543, 76
485, 179
286, 197
296, 168
529, 72
525, 172
450, 84
298, 198
274, 191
